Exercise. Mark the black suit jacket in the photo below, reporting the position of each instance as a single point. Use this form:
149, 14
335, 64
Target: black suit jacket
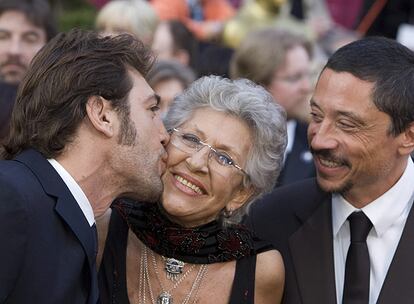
297, 219
299, 162
47, 245
7, 97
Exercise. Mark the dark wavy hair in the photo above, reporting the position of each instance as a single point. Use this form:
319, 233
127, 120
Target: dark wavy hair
73, 66
390, 67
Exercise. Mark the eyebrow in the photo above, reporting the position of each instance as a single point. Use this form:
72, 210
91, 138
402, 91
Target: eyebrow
158, 99
31, 32
313, 103
151, 97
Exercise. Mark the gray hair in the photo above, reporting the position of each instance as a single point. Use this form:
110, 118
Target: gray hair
253, 105
136, 17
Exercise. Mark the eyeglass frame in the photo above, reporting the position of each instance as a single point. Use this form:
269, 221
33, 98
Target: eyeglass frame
203, 144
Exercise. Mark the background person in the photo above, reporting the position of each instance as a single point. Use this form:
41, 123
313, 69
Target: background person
25, 26
168, 79
226, 149
173, 41
136, 17
84, 116
281, 62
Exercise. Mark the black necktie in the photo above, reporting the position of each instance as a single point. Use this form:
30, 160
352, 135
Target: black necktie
357, 267
95, 240
94, 295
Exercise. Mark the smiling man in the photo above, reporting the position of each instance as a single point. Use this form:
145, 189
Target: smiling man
85, 130
347, 236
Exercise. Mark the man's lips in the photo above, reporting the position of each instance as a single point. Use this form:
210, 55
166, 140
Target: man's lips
330, 163
13, 64
328, 159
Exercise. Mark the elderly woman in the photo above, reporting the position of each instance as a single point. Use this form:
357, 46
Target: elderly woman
226, 149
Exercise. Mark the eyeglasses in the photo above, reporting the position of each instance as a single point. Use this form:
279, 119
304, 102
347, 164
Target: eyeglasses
190, 143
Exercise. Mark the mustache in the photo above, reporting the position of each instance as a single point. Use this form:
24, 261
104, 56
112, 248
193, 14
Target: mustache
330, 155
15, 61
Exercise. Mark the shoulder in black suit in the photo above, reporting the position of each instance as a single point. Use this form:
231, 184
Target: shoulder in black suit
47, 251
7, 97
299, 162
297, 219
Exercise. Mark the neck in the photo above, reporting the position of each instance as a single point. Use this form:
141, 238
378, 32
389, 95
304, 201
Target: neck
92, 173
363, 195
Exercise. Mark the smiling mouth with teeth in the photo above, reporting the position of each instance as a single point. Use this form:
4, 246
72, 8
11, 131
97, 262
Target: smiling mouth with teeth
330, 163
188, 184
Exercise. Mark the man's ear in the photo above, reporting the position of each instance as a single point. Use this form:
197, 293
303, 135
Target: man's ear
407, 145
101, 115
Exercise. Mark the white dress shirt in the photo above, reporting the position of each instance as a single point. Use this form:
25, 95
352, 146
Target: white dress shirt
76, 191
290, 130
388, 215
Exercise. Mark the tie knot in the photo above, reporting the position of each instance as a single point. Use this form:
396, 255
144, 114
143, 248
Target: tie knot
360, 225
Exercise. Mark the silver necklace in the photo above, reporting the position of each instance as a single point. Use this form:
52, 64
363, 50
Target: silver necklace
165, 297
173, 268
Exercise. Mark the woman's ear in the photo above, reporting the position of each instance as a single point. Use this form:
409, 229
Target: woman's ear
241, 197
101, 115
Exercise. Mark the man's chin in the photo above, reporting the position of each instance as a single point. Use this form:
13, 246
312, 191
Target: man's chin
334, 187
14, 78
152, 192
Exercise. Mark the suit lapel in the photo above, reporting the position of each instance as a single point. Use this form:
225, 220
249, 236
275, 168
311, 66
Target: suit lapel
66, 206
312, 255
398, 283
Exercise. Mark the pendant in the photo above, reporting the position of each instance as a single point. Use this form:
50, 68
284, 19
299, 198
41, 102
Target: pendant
174, 268
164, 298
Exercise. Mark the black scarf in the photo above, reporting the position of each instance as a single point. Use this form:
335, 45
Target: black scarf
209, 243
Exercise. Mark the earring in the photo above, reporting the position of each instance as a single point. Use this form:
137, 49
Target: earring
227, 212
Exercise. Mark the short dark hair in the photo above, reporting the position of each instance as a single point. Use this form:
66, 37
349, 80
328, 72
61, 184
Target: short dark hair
390, 66
73, 66
38, 12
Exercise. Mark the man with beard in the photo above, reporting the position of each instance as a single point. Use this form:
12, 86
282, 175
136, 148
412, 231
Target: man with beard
85, 129
347, 236
25, 26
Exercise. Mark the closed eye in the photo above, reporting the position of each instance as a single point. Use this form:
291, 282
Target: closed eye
155, 108
191, 140
346, 125
316, 117
191, 137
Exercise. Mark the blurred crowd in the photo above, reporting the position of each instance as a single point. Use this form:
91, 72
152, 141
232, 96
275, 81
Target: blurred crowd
280, 44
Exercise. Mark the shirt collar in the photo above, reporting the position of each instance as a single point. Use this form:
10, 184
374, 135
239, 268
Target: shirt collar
383, 211
290, 128
76, 191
